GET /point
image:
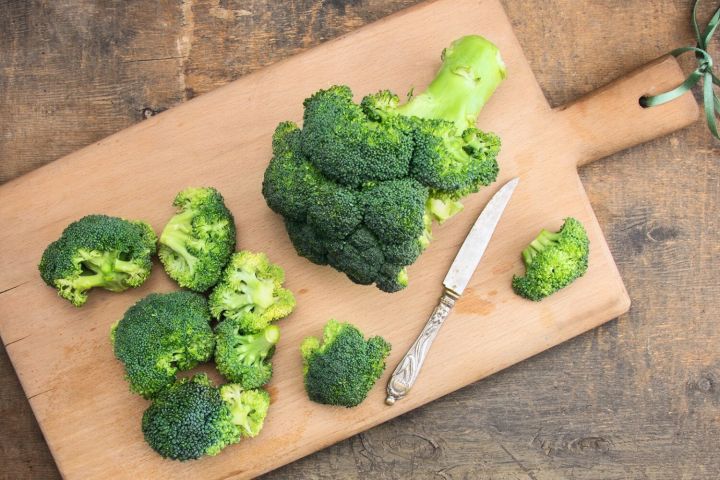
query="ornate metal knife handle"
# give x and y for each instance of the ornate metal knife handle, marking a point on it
(405, 374)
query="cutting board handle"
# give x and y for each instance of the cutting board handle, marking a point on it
(611, 118)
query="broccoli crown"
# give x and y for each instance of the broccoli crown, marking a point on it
(244, 358)
(98, 251)
(553, 261)
(250, 292)
(343, 369)
(198, 241)
(360, 184)
(192, 418)
(161, 335)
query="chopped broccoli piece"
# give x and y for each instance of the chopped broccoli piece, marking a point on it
(553, 261)
(192, 418)
(244, 358)
(161, 335)
(248, 408)
(198, 241)
(251, 293)
(360, 185)
(345, 367)
(98, 251)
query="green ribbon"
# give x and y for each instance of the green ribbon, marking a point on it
(702, 72)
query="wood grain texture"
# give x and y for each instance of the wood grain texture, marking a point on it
(640, 398)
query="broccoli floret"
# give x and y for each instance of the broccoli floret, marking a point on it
(251, 293)
(346, 146)
(198, 241)
(244, 358)
(345, 367)
(161, 335)
(360, 185)
(98, 251)
(553, 261)
(290, 182)
(193, 418)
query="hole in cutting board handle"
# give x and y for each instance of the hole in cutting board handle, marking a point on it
(643, 101)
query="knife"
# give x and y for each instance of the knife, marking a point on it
(457, 278)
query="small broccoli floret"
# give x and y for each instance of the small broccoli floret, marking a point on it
(343, 369)
(193, 418)
(360, 185)
(98, 251)
(248, 408)
(553, 261)
(251, 293)
(161, 335)
(244, 358)
(198, 241)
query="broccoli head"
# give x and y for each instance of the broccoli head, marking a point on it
(161, 335)
(244, 358)
(198, 241)
(98, 251)
(553, 261)
(192, 418)
(343, 369)
(250, 292)
(360, 185)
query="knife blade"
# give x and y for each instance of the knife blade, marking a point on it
(457, 278)
(473, 248)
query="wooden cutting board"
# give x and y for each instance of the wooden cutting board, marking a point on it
(62, 355)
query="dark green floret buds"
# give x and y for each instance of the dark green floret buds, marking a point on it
(98, 251)
(553, 261)
(193, 418)
(360, 184)
(198, 241)
(344, 367)
(160, 335)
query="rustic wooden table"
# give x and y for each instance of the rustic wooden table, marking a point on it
(636, 398)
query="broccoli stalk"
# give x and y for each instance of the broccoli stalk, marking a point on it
(553, 260)
(471, 71)
(343, 369)
(177, 235)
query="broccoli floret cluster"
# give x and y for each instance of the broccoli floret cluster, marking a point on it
(160, 335)
(360, 185)
(193, 418)
(553, 261)
(247, 300)
(197, 242)
(98, 251)
(343, 369)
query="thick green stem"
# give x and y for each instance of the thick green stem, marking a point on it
(471, 71)
(176, 234)
(258, 345)
(543, 240)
